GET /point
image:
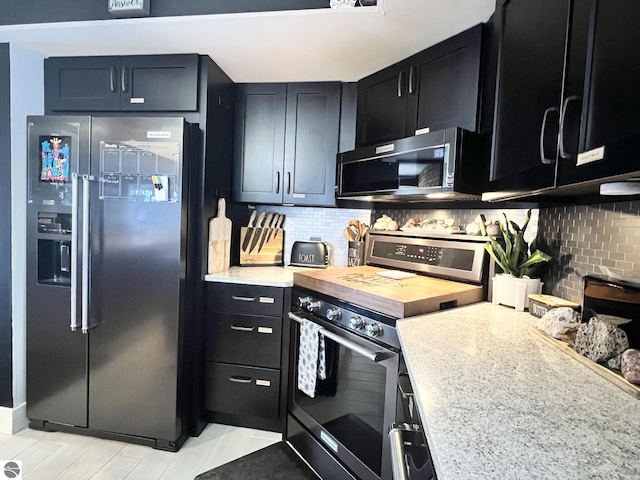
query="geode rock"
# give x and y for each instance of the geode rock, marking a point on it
(556, 320)
(599, 341)
(631, 365)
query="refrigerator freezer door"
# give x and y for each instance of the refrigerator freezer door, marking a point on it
(57, 380)
(137, 272)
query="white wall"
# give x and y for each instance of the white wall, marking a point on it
(27, 98)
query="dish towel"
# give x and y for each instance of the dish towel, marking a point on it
(311, 358)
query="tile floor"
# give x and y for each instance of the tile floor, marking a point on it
(62, 456)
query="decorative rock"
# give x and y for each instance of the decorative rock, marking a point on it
(599, 341)
(631, 365)
(615, 363)
(568, 333)
(556, 320)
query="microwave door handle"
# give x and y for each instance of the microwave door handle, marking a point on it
(75, 182)
(398, 464)
(365, 352)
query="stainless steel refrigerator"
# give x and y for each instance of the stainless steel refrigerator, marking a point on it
(112, 215)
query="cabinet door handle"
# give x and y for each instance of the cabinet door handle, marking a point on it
(543, 157)
(241, 329)
(288, 183)
(240, 379)
(277, 182)
(412, 74)
(123, 79)
(400, 83)
(112, 78)
(243, 299)
(563, 113)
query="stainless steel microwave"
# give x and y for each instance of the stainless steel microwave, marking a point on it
(447, 164)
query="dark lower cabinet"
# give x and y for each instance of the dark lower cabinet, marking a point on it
(286, 142)
(139, 83)
(246, 359)
(435, 89)
(242, 391)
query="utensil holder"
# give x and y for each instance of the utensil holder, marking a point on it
(355, 254)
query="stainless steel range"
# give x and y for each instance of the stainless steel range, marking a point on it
(340, 427)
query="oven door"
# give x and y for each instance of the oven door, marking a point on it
(354, 406)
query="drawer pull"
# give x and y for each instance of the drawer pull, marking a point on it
(241, 379)
(241, 329)
(243, 299)
(263, 383)
(265, 330)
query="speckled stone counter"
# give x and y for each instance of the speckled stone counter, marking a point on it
(499, 403)
(266, 276)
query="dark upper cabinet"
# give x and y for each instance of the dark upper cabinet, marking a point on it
(529, 92)
(286, 142)
(567, 103)
(167, 83)
(435, 89)
(600, 130)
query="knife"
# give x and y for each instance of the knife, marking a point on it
(266, 229)
(256, 232)
(247, 237)
(274, 222)
(280, 220)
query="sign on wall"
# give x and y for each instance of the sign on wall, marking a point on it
(129, 8)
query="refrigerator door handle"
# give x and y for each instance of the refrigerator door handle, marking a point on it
(85, 251)
(75, 181)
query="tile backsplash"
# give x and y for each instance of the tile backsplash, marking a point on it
(326, 224)
(580, 238)
(583, 238)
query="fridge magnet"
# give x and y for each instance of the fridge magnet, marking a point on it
(54, 154)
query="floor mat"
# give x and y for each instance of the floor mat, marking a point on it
(275, 462)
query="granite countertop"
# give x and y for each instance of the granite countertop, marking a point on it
(499, 403)
(265, 276)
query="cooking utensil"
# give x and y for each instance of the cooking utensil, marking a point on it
(355, 233)
(348, 234)
(256, 232)
(247, 237)
(272, 227)
(278, 225)
(219, 240)
(271, 218)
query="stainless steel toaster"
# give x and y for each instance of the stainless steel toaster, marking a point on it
(310, 254)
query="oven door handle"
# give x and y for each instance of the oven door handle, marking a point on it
(365, 352)
(398, 462)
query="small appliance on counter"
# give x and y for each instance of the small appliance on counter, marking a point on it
(310, 254)
(262, 243)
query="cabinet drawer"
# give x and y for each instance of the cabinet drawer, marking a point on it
(244, 339)
(245, 299)
(242, 390)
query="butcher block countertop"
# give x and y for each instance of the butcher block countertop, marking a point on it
(399, 298)
(498, 402)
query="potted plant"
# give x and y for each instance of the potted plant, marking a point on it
(519, 261)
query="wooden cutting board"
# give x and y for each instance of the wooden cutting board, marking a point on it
(219, 240)
(399, 298)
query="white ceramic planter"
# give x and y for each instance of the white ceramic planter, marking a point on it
(514, 292)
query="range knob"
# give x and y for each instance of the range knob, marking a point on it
(373, 330)
(313, 306)
(304, 301)
(334, 314)
(356, 322)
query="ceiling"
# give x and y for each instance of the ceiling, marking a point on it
(305, 45)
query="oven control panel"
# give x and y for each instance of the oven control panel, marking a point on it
(351, 320)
